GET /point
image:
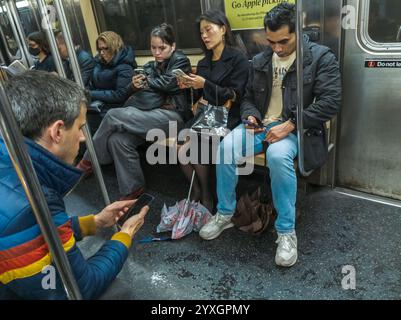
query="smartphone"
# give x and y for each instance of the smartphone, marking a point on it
(139, 71)
(178, 73)
(144, 200)
(251, 124)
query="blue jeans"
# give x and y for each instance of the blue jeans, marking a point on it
(280, 159)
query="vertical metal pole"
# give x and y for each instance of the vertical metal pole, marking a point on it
(26, 173)
(50, 37)
(300, 88)
(18, 31)
(78, 79)
(15, 31)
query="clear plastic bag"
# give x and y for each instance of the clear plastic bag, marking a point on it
(183, 218)
(211, 119)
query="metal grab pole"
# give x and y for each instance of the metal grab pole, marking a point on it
(23, 165)
(78, 79)
(51, 39)
(22, 37)
(300, 89)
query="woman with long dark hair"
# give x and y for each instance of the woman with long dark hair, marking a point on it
(220, 76)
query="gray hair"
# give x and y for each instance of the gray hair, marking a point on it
(39, 98)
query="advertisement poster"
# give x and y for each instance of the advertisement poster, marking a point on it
(249, 14)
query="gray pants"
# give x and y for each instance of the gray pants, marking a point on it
(121, 132)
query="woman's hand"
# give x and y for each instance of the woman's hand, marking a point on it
(194, 81)
(182, 84)
(139, 81)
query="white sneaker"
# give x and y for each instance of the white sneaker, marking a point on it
(216, 226)
(286, 254)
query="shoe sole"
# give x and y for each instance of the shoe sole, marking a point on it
(287, 265)
(218, 234)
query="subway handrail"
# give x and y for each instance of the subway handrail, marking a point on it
(24, 168)
(78, 79)
(300, 89)
(18, 31)
(51, 39)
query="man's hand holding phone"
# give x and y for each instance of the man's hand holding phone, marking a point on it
(109, 216)
(132, 220)
(133, 224)
(252, 124)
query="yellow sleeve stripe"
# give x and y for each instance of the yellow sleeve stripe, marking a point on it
(123, 237)
(33, 268)
(87, 225)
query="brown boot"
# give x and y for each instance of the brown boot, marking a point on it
(133, 195)
(86, 167)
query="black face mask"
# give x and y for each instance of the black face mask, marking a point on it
(34, 51)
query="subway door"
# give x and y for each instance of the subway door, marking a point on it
(369, 146)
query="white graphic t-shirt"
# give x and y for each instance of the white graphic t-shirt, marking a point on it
(280, 69)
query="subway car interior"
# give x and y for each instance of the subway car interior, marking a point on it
(350, 208)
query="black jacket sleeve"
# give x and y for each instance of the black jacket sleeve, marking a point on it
(167, 82)
(233, 87)
(327, 90)
(248, 105)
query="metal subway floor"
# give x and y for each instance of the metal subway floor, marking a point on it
(335, 231)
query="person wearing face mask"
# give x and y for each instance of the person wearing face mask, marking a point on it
(113, 71)
(221, 75)
(39, 48)
(155, 101)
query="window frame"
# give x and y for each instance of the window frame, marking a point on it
(363, 36)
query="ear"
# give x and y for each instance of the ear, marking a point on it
(224, 30)
(55, 131)
(173, 47)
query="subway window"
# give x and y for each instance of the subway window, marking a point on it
(385, 21)
(7, 34)
(134, 19)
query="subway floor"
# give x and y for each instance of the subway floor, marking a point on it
(336, 235)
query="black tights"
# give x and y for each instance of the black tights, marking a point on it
(201, 189)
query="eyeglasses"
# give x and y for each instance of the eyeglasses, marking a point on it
(103, 49)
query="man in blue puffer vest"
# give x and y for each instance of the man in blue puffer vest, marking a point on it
(50, 112)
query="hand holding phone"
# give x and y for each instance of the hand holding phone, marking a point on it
(139, 81)
(178, 73)
(139, 71)
(253, 125)
(144, 200)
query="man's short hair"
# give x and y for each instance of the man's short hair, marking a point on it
(284, 14)
(39, 98)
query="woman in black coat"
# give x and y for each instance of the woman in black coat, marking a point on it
(224, 71)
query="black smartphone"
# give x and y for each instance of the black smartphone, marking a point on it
(144, 200)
